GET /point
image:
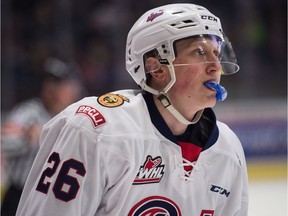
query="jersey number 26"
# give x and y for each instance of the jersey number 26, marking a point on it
(66, 186)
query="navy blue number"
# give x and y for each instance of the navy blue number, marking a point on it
(48, 172)
(66, 186)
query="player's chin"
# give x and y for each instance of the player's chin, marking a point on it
(210, 101)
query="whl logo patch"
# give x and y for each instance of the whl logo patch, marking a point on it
(151, 172)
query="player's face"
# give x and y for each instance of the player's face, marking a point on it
(195, 64)
(67, 92)
(61, 94)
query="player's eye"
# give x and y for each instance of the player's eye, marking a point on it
(216, 53)
(198, 52)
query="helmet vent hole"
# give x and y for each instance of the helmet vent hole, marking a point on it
(206, 27)
(183, 24)
(187, 21)
(178, 12)
(136, 69)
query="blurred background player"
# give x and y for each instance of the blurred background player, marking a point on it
(22, 128)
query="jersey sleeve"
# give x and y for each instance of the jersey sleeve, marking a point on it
(55, 183)
(68, 177)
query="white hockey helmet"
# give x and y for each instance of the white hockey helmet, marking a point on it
(160, 27)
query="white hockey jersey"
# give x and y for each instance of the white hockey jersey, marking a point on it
(111, 156)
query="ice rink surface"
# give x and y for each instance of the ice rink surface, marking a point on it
(268, 189)
(268, 198)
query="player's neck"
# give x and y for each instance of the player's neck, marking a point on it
(174, 124)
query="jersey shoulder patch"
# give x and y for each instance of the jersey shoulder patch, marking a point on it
(93, 114)
(112, 100)
(108, 110)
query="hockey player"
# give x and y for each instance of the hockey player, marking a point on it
(22, 127)
(159, 151)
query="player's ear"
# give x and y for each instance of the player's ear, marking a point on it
(154, 67)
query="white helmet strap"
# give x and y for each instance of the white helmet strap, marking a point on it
(163, 98)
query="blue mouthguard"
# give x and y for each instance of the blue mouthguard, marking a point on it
(221, 92)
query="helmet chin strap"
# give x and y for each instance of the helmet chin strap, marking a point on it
(165, 101)
(163, 98)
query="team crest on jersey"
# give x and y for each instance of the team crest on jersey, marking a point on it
(207, 213)
(94, 115)
(112, 100)
(155, 205)
(151, 172)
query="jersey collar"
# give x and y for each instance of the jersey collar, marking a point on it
(163, 128)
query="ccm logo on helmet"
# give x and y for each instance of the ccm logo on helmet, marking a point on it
(207, 17)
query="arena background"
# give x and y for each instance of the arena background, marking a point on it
(93, 35)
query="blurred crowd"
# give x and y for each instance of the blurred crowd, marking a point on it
(93, 34)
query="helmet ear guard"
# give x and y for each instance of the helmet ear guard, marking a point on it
(152, 66)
